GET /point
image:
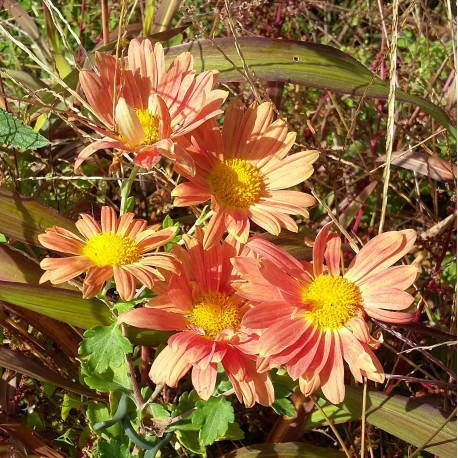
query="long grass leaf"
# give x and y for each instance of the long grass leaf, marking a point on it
(298, 62)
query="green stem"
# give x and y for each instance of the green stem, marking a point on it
(134, 436)
(121, 412)
(152, 452)
(125, 189)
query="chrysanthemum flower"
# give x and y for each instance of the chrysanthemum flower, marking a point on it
(146, 107)
(200, 303)
(310, 316)
(123, 248)
(244, 170)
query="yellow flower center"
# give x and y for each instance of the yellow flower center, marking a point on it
(236, 183)
(214, 312)
(150, 124)
(110, 249)
(332, 300)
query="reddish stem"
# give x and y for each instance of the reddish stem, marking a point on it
(144, 369)
(432, 281)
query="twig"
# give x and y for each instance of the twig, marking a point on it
(105, 18)
(391, 107)
(413, 345)
(363, 418)
(246, 70)
(135, 388)
(333, 428)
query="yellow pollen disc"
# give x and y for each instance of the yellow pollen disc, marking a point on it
(215, 312)
(236, 183)
(108, 249)
(332, 300)
(150, 124)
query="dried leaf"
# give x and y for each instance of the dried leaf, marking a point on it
(284, 450)
(424, 164)
(352, 210)
(19, 362)
(23, 218)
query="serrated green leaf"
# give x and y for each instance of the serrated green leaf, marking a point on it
(17, 135)
(406, 418)
(104, 347)
(183, 425)
(113, 449)
(214, 417)
(297, 62)
(186, 402)
(190, 440)
(158, 410)
(283, 406)
(110, 380)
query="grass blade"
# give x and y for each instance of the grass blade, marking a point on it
(298, 62)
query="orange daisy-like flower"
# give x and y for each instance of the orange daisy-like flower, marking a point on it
(310, 316)
(123, 248)
(146, 107)
(199, 302)
(244, 170)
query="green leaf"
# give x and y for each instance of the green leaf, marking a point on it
(35, 422)
(98, 412)
(190, 440)
(60, 304)
(66, 438)
(406, 418)
(68, 306)
(158, 410)
(113, 449)
(104, 347)
(284, 450)
(68, 404)
(284, 386)
(85, 437)
(148, 337)
(15, 134)
(283, 406)
(233, 433)
(298, 62)
(168, 222)
(213, 416)
(110, 380)
(186, 402)
(48, 389)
